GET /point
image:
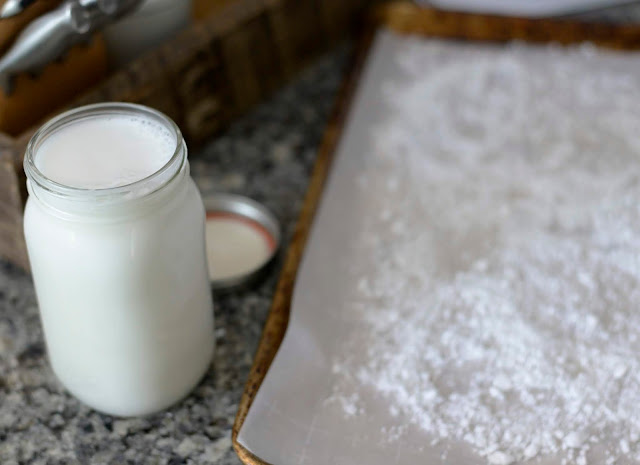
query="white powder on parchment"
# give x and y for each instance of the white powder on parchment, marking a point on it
(499, 268)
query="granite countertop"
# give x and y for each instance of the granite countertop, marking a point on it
(267, 155)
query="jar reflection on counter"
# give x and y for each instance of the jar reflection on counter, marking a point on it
(120, 272)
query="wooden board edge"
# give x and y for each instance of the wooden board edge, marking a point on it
(276, 324)
(402, 17)
(408, 18)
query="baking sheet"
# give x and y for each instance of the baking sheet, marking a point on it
(292, 419)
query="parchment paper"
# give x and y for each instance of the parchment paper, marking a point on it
(292, 420)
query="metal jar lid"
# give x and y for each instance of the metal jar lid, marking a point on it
(243, 238)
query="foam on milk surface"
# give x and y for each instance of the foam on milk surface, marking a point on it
(105, 152)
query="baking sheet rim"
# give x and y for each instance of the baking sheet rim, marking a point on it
(407, 18)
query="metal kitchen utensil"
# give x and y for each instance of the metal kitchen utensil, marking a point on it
(50, 36)
(14, 7)
(43, 40)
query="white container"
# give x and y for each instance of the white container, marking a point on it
(120, 272)
(153, 23)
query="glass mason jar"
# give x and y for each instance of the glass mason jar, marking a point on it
(121, 277)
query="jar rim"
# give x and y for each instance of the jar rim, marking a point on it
(137, 188)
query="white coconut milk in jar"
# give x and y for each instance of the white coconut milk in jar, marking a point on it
(114, 227)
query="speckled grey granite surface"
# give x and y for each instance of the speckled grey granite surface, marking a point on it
(266, 155)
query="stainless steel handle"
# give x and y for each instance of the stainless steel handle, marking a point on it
(50, 36)
(43, 40)
(14, 7)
